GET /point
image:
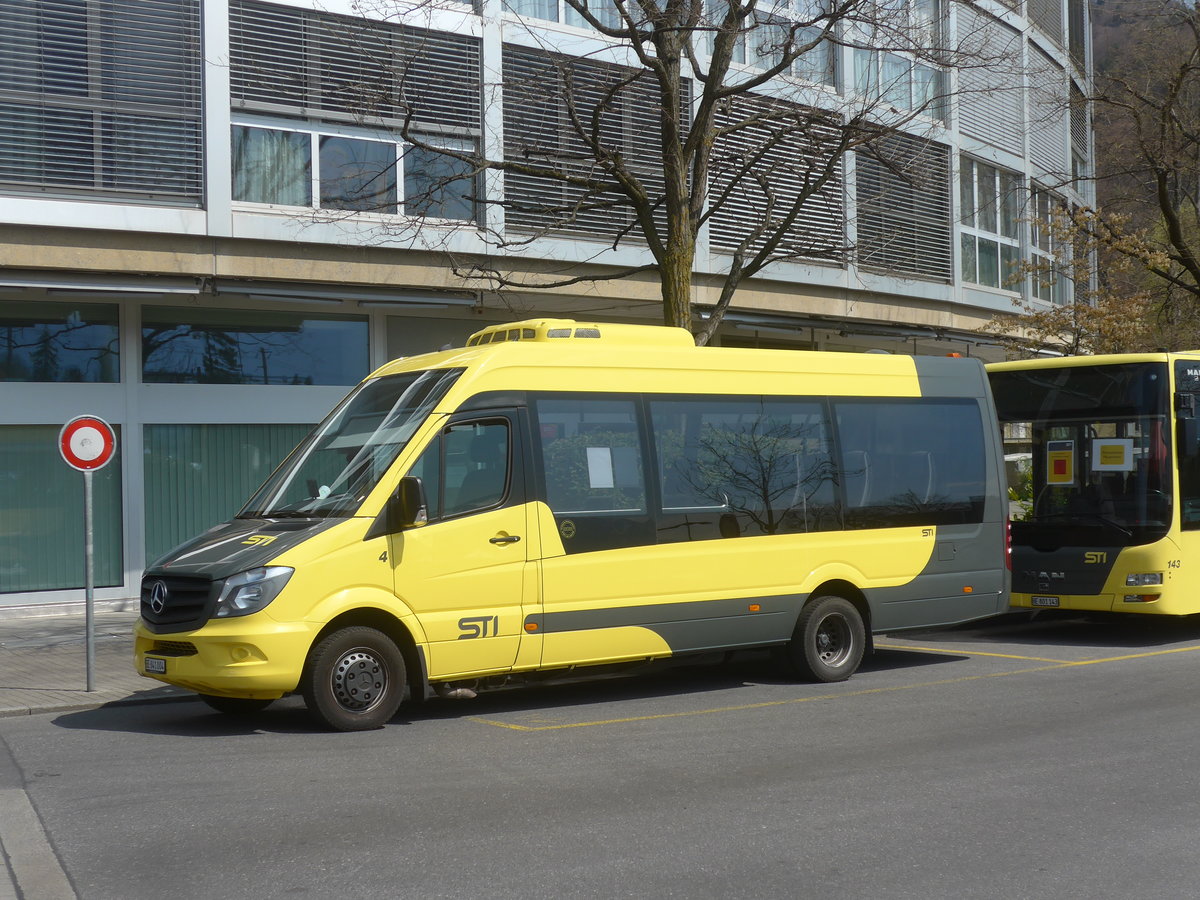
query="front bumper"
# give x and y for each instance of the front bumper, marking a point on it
(253, 656)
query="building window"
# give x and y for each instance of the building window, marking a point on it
(990, 201)
(1047, 279)
(59, 342)
(272, 166)
(186, 345)
(275, 166)
(200, 475)
(357, 175)
(101, 97)
(41, 511)
(900, 82)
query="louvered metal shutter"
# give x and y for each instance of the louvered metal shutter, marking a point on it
(904, 208)
(1079, 123)
(344, 68)
(1047, 16)
(1047, 113)
(990, 95)
(788, 147)
(548, 100)
(102, 98)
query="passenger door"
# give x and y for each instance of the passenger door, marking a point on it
(465, 573)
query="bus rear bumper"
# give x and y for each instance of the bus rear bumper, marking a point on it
(1146, 603)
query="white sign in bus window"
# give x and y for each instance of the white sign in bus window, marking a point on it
(600, 467)
(1112, 455)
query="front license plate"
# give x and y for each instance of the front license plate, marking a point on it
(156, 666)
(1035, 601)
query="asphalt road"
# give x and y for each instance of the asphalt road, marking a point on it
(1020, 759)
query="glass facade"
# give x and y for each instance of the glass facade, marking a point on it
(188, 345)
(41, 515)
(59, 342)
(198, 476)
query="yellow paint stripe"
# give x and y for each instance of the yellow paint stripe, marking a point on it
(763, 705)
(1055, 664)
(968, 653)
(1108, 659)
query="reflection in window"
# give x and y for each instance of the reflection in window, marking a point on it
(272, 166)
(766, 462)
(591, 456)
(59, 342)
(438, 185)
(41, 508)
(358, 175)
(217, 346)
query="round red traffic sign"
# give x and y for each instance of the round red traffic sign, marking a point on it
(87, 443)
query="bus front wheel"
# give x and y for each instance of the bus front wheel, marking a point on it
(829, 640)
(354, 680)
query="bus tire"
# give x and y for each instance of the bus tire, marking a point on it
(354, 679)
(235, 706)
(829, 640)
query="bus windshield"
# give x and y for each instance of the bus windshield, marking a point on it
(1088, 452)
(337, 465)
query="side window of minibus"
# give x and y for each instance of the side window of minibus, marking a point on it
(466, 468)
(590, 452)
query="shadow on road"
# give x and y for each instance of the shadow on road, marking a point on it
(1069, 629)
(663, 679)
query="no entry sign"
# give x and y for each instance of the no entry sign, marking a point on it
(87, 443)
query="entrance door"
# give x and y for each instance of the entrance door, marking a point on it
(466, 574)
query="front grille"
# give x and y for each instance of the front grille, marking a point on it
(173, 648)
(186, 602)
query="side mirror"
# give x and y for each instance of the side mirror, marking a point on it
(411, 508)
(1189, 437)
(406, 508)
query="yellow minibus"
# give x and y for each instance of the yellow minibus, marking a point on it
(558, 495)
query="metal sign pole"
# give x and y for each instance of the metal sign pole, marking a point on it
(89, 580)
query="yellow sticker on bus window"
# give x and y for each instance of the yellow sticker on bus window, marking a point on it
(1112, 455)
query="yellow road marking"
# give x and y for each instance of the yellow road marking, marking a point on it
(968, 653)
(1055, 664)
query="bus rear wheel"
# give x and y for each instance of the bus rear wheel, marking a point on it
(829, 640)
(354, 680)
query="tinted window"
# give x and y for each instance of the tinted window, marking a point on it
(765, 462)
(911, 462)
(185, 345)
(59, 342)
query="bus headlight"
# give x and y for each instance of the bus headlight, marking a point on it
(250, 591)
(1142, 579)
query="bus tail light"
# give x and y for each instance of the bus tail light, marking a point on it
(1008, 544)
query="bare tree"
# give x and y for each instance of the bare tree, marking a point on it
(1147, 112)
(699, 123)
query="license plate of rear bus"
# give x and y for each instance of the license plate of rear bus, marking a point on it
(1034, 601)
(156, 666)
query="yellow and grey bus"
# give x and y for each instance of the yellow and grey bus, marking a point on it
(1108, 487)
(558, 495)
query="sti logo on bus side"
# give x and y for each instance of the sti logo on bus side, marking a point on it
(478, 627)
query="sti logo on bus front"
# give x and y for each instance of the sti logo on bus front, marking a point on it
(1093, 557)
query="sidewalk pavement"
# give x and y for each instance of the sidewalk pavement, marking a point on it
(43, 664)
